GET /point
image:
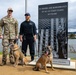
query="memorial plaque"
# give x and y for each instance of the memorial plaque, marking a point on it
(53, 28)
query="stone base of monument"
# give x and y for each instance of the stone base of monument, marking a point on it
(61, 61)
(63, 64)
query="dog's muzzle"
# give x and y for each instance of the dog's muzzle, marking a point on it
(47, 52)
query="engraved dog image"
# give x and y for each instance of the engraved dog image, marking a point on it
(45, 58)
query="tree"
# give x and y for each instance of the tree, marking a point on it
(72, 36)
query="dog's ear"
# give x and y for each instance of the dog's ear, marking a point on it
(45, 48)
(49, 47)
(15, 41)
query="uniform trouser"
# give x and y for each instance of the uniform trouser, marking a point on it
(5, 43)
(25, 43)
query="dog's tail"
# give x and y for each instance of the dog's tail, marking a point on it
(25, 61)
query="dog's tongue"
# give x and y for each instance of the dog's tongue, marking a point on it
(47, 53)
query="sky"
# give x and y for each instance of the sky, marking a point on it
(32, 7)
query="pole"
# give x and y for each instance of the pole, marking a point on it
(25, 6)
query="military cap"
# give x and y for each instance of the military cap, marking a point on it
(27, 14)
(10, 9)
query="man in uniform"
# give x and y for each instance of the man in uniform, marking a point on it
(28, 35)
(9, 25)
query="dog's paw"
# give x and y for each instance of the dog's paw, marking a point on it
(15, 65)
(53, 69)
(36, 69)
(47, 72)
(24, 64)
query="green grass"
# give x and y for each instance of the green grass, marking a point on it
(0, 53)
(73, 58)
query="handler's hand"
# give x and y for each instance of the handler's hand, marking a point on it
(21, 38)
(16, 37)
(1, 37)
(34, 37)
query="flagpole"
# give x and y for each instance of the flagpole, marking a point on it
(25, 6)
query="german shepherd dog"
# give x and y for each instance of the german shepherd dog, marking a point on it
(18, 55)
(45, 58)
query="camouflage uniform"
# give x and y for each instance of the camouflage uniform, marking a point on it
(10, 32)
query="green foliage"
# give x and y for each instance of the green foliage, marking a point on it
(0, 53)
(72, 36)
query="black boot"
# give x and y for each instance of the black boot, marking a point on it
(3, 63)
(32, 58)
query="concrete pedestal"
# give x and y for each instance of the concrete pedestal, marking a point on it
(71, 66)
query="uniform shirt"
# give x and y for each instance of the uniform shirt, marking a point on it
(28, 28)
(9, 27)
